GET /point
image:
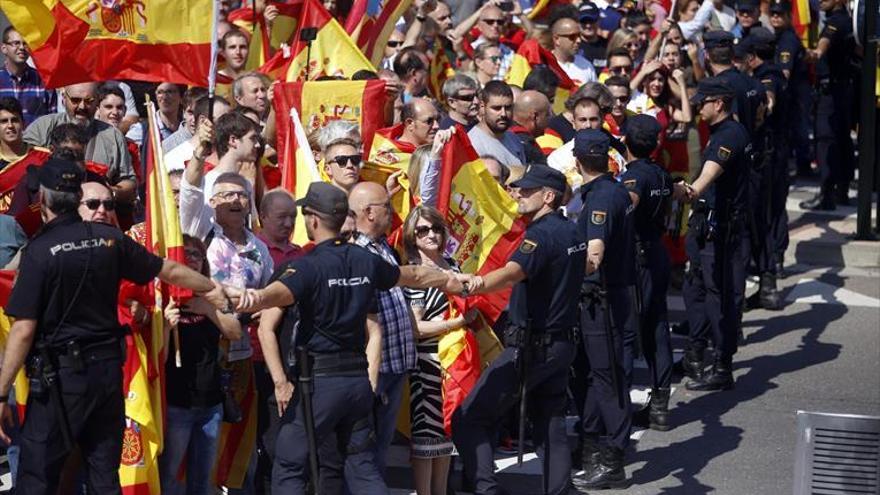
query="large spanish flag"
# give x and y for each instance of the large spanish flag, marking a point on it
(388, 154)
(531, 53)
(264, 41)
(370, 23)
(333, 52)
(7, 279)
(76, 41)
(800, 20)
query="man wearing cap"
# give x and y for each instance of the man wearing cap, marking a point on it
(335, 287)
(791, 58)
(66, 330)
(834, 110)
(545, 273)
(749, 94)
(650, 189)
(566, 32)
(770, 178)
(747, 12)
(715, 277)
(606, 224)
(593, 47)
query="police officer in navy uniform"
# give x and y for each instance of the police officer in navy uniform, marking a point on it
(606, 224)
(335, 287)
(650, 189)
(66, 328)
(791, 58)
(716, 270)
(834, 110)
(545, 273)
(771, 168)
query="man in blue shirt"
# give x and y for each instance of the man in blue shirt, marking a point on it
(21, 81)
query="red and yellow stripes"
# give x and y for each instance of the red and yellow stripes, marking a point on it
(264, 41)
(531, 53)
(800, 20)
(76, 41)
(370, 23)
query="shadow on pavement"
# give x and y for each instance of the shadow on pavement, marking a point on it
(718, 438)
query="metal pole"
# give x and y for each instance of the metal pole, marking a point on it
(867, 126)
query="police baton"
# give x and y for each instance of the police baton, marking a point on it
(304, 384)
(609, 338)
(522, 365)
(50, 379)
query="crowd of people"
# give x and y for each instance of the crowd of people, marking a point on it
(668, 166)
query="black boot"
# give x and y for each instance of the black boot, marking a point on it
(692, 363)
(779, 268)
(609, 473)
(720, 377)
(770, 298)
(591, 455)
(659, 411)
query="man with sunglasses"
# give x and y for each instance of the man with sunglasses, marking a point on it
(97, 204)
(107, 145)
(619, 64)
(460, 92)
(342, 163)
(566, 36)
(421, 121)
(491, 27)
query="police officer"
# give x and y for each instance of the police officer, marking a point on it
(834, 111)
(545, 273)
(650, 189)
(791, 58)
(66, 328)
(335, 287)
(769, 214)
(606, 223)
(716, 268)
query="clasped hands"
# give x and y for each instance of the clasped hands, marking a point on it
(683, 191)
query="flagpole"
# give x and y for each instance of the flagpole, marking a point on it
(212, 71)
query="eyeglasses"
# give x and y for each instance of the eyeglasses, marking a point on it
(94, 204)
(494, 22)
(76, 100)
(571, 36)
(344, 160)
(15, 44)
(621, 99)
(422, 230)
(165, 92)
(231, 195)
(461, 97)
(394, 44)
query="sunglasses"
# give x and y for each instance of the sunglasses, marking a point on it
(620, 69)
(494, 22)
(422, 230)
(430, 121)
(633, 44)
(496, 59)
(571, 37)
(343, 160)
(94, 204)
(76, 100)
(464, 97)
(394, 44)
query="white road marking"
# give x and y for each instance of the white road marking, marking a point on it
(812, 291)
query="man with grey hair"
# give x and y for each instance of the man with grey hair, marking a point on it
(106, 144)
(251, 90)
(460, 92)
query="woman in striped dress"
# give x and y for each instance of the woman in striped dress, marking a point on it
(424, 240)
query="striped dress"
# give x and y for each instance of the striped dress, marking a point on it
(429, 439)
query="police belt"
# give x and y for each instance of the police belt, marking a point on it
(77, 355)
(515, 334)
(345, 363)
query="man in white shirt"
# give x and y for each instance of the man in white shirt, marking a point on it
(566, 39)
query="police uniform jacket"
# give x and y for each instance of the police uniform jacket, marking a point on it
(836, 65)
(54, 265)
(335, 287)
(606, 216)
(730, 147)
(653, 185)
(790, 54)
(749, 96)
(553, 257)
(771, 77)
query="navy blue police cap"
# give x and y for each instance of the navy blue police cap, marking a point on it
(61, 175)
(324, 198)
(780, 6)
(747, 5)
(541, 176)
(714, 39)
(642, 127)
(711, 87)
(588, 11)
(591, 142)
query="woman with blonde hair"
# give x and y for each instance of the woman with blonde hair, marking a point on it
(424, 240)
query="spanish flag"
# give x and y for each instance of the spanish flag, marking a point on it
(7, 279)
(76, 41)
(263, 40)
(388, 154)
(484, 225)
(370, 23)
(14, 172)
(800, 20)
(531, 53)
(440, 70)
(333, 52)
(298, 168)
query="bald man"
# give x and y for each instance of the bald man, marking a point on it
(566, 38)
(106, 144)
(278, 218)
(531, 113)
(421, 121)
(372, 208)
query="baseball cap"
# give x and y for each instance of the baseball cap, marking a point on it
(588, 11)
(642, 126)
(324, 198)
(609, 19)
(591, 142)
(541, 176)
(61, 175)
(711, 87)
(713, 39)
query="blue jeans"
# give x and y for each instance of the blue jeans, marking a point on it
(191, 433)
(389, 390)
